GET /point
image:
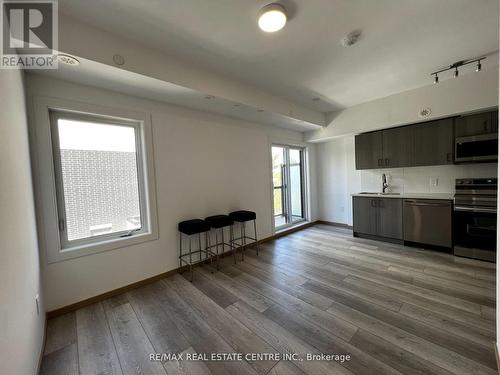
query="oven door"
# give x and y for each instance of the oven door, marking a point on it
(476, 148)
(475, 232)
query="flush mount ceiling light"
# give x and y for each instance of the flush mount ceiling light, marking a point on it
(272, 18)
(458, 64)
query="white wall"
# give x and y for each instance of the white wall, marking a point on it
(205, 164)
(21, 328)
(467, 93)
(338, 178)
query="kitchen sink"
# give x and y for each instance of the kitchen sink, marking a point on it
(377, 193)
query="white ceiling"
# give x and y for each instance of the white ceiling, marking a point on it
(402, 41)
(94, 74)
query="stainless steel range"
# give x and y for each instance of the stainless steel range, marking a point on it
(475, 218)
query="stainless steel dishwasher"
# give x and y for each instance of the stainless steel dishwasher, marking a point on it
(428, 221)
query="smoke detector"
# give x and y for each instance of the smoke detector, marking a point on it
(351, 38)
(68, 60)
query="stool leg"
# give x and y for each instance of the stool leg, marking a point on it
(222, 235)
(217, 259)
(233, 247)
(206, 247)
(190, 252)
(180, 249)
(244, 240)
(216, 243)
(199, 246)
(256, 238)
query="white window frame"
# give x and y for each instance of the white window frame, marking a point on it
(49, 202)
(306, 181)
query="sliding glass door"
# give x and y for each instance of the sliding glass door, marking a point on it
(288, 185)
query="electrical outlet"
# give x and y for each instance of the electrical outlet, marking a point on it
(37, 303)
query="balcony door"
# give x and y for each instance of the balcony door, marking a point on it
(288, 185)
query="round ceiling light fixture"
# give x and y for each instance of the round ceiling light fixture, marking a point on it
(272, 18)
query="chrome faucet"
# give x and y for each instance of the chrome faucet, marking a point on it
(385, 185)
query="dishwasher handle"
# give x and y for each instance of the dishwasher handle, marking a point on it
(415, 203)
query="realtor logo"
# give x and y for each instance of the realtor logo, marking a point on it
(29, 34)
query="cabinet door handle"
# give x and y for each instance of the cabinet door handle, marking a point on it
(387, 162)
(380, 203)
(373, 203)
(448, 157)
(380, 162)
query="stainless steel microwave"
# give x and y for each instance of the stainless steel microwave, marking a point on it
(476, 148)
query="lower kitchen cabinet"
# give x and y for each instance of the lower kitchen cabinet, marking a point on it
(365, 212)
(390, 218)
(381, 217)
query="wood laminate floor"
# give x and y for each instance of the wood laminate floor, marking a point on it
(392, 309)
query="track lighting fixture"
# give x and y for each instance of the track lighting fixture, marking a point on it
(457, 65)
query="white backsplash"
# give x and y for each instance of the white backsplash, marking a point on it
(423, 179)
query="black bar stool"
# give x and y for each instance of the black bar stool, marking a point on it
(243, 217)
(190, 228)
(220, 222)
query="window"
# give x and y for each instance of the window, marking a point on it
(99, 178)
(288, 185)
(94, 177)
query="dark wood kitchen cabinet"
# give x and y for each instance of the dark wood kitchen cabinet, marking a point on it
(365, 211)
(390, 218)
(368, 150)
(433, 143)
(397, 147)
(423, 144)
(378, 217)
(475, 124)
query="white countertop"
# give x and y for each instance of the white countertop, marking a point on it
(445, 196)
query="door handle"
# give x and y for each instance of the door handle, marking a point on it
(476, 209)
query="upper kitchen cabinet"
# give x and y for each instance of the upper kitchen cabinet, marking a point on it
(397, 147)
(433, 143)
(475, 124)
(369, 150)
(423, 144)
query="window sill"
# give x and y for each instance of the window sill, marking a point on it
(94, 248)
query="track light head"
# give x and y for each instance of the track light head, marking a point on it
(436, 79)
(455, 73)
(478, 67)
